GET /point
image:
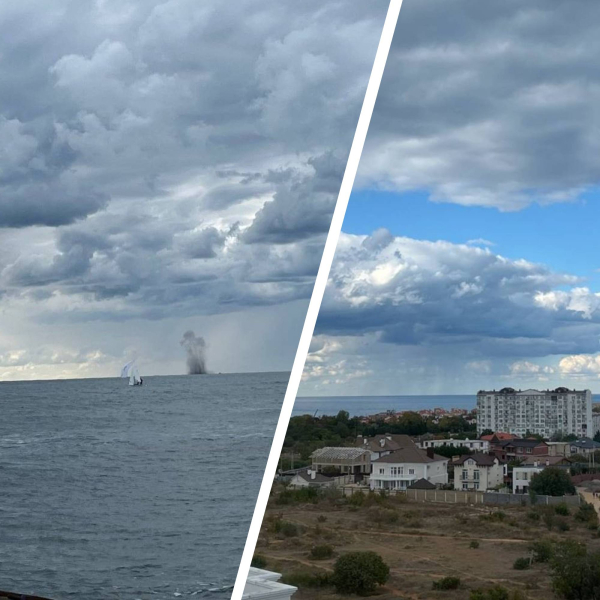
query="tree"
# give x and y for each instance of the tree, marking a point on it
(597, 436)
(576, 574)
(359, 573)
(552, 481)
(486, 432)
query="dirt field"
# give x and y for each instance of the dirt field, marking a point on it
(421, 543)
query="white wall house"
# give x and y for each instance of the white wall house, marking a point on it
(522, 478)
(478, 472)
(475, 445)
(264, 585)
(400, 469)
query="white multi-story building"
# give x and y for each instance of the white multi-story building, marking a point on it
(540, 412)
(475, 445)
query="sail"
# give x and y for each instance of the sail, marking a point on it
(134, 376)
(125, 369)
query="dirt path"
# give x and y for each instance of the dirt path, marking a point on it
(590, 498)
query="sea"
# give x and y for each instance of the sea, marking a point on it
(370, 405)
(135, 493)
(358, 406)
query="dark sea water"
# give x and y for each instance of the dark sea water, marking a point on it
(110, 491)
(368, 405)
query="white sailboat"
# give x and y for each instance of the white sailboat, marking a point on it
(131, 371)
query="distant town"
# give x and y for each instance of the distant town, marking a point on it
(527, 457)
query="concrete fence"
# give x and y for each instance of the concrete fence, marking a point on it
(460, 497)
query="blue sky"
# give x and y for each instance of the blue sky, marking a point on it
(564, 236)
(485, 128)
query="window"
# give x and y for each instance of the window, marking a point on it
(476, 476)
(411, 471)
(465, 486)
(465, 474)
(528, 450)
(381, 471)
(477, 485)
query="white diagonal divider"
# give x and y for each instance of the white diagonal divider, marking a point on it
(335, 228)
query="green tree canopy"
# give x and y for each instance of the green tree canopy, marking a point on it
(359, 573)
(576, 573)
(552, 481)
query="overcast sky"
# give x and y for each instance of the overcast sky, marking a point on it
(165, 166)
(471, 253)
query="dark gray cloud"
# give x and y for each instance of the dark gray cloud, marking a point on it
(438, 308)
(491, 104)
(162, 157)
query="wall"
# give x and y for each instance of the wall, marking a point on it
(459, 497)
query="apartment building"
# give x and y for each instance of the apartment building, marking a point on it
(545, 413)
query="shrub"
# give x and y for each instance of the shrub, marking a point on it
(542, 550)
(533, 515)
(359, 573)
(496, 516)
(474, 544)
(549, 520)
(576, 573)
(259, 561)
(301, 496)
(383, 515)
(322, 552)
(562, 525)
(447, 583)
(587, 514)
(562, 509)
(321, 518)
(495, 593)
(521, 564)
(307, 579)
(357, 499)
(286, 528)
(552, 481)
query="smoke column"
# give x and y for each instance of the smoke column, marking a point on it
(195, 348)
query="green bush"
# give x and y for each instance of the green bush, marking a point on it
(286, 528)
(496, 516)
(259, 561)
(562, 509)
(495, 593)
(447, 583)
(587, 514)
(383, 515)
(474, 544)
(322, 552)
(562, 525)
(521, 564)
(359, 573)
(552, 481)
(533, 515)
(301, 496)
(542, 550)
(307, 579)
(321, 518)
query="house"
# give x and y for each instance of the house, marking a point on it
(475, 445)
(345, 461)
(478, 472)
(264, 585)
(304, 478)
(380, 445)
(508, 449)
(403, 467)
(521, 477)
(499, 436)
(584, 446)
(559, 448)
(422, 484)
(522, 473)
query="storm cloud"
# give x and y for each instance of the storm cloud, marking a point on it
(493, 104)
(163, 158)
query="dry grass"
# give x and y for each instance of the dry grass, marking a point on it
(421, 543)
